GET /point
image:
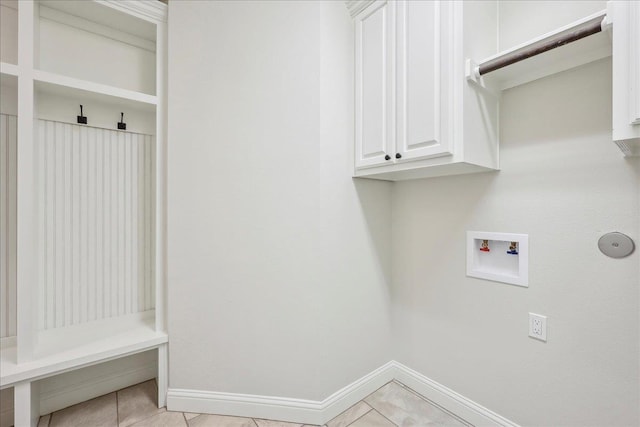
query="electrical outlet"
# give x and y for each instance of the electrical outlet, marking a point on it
(538, 326)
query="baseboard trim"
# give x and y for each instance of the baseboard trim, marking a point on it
(443, 396)
(319, 412)
(279, 408)
(348, 396)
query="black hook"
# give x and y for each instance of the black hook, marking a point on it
(81, 118)
(121, 124)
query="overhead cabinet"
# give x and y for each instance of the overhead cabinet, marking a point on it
(625, 19)
(416, 115)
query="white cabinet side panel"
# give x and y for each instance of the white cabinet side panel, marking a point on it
(95, 195)
(8, 140)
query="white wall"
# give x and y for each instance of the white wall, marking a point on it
(564, 183)
(278, 260)
(523, 20)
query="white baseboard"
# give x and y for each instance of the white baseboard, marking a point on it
(279, 408)
(319, 412)
(453, 402)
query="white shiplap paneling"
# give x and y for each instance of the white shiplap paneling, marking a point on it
(96, 203)
(8, 139)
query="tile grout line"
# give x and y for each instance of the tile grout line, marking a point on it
(430, 402)
(351, 423)
(351, 407)
(143, 419)
(385, 417)
(117, 409)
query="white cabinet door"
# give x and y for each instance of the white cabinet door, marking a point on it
(626, 75)
(634, 66)
(419, 89)
(374, 85)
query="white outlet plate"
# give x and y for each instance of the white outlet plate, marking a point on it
(538, 326)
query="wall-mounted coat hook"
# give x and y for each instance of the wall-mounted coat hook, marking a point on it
(81, 118)
(121, 124)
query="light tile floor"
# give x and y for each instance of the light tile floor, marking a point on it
(393, 405)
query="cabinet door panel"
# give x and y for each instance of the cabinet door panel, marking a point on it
(374, 96)
(419, 84)
(634, 66)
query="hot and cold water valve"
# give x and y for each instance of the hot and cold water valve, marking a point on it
(500, 257)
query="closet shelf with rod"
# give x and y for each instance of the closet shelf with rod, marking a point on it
(572, 45)
(613, 32)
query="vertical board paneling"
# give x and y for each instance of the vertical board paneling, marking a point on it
(100, 210)
(67, 284)
(141, 230)
(114, 234)
(47, 129)
(3, 227)
(90, 236)
(147, 225)
(152, 216)
(135, 221)
(84, 265)
(96, 227)
(58, 223)
(41, 260)
(75, 224)
(8, 158)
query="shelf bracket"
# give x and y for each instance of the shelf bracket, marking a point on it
(472, 74)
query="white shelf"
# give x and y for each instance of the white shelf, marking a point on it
(8, 69)
(75, 351)
(69, 86)
(132, 17)
(583, 51)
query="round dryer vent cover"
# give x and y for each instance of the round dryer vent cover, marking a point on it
(616, 245)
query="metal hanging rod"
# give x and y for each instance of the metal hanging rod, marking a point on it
(579, 32)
